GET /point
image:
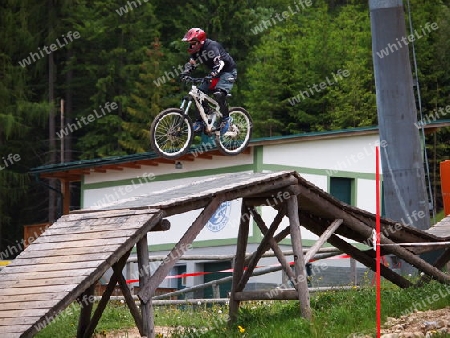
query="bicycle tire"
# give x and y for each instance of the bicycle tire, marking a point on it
(167, 138)
(236, 139)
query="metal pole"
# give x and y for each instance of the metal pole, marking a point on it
(405, 197)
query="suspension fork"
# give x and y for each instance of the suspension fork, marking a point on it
(185, 105)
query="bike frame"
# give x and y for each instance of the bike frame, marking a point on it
(199, 97)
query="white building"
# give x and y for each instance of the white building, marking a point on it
(341, 163)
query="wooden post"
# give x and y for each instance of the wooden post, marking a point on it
(299, 261)
(86, 310)
(65, 185)
(216, 290)
(273, 244)
(262, 248)
(148, 325)
(353, 272)
(106, 296)
(239, 262)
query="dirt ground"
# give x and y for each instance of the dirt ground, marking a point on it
(160, 331)
(419, 324)
(415, 325)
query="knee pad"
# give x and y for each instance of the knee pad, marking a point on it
(220, 96)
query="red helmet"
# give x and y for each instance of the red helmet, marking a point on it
(196, 37)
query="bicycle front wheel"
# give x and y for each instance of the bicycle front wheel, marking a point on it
(171, 133)
(236, 139)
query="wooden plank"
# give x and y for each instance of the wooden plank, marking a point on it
(54, 267)
(23, 313)
(28, 298)
(60, 253)
(38, 289)
(46, 304)
(61, 259)
(52, 274)
(61, 224)
(162, 271)
(98, 234)
(12, 329)
(92, 214)
(77, 244)
(231, 192)
(96, 275)
(88, 228)
(26, 283)
(17, 321)
(118, 221)
(60, 290)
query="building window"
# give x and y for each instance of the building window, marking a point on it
(342, 188)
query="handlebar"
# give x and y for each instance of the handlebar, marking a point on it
(196, 79)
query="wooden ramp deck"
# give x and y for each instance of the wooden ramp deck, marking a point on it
(62, 265)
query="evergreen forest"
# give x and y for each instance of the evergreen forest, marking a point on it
(62, 61)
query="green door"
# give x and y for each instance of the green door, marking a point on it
(225, 288)
(341, 188)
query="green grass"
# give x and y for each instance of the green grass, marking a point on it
(335, 314)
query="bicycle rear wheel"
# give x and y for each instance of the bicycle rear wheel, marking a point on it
(171, 133)
(236, 139)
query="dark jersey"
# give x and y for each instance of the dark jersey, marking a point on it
(211, 52)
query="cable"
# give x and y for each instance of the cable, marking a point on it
(422, 128)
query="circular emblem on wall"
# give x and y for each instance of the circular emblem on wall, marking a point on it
(220, 218)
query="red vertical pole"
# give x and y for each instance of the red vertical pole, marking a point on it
(378, 253)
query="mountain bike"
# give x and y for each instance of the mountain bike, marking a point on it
(172, 133)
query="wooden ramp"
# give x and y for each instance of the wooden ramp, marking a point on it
(66, 261)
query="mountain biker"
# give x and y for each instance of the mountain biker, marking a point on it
(222, 66)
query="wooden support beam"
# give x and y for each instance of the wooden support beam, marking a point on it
(86, 310)
(322, 239)
(138, 319)
(179, 249)
(106, 296)
(360, 256)
(272, 243)
(299, 261)
(163, 225)
(440, 263)
(238, 268)
(274, 198)
(352, 222)
(148, 325)
(262, 248)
